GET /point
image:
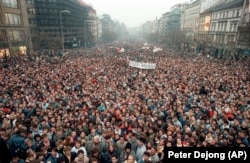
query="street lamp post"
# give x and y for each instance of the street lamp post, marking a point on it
(84, 35)
(63, 11)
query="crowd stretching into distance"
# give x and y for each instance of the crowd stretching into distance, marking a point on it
(90, 106)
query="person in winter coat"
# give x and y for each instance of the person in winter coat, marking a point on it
(106, 156)
(125, 153)
(17, 144)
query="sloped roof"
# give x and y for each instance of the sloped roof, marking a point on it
(225, 5)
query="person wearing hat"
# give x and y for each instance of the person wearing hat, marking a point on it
(126, 152)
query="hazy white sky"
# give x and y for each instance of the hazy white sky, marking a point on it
(133, 13)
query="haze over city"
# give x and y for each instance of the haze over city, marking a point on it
(132, 13)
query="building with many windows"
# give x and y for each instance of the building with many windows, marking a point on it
(54, 23)
(174, 35)
(190, 23)
(243, 35)
(225, 19)
(204, 39)
(36, 24)
(206, 4)
(14, 28)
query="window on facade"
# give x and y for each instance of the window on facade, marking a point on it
(231, 27)
(2, 36)
(18, 35)
(30, 1)
(212, 38)
(217, 39)
(227, 14)
(33, 30)
(12, 18)
(224, 15)
(32, 20)
(43, 21)
(238, 13)
(214, 26)
(235, 27)
(231, 38)
(222, 39)
(10, 35)
(233, 13)
(55, 11)
(10, 3)
(222, 26)
(31, 11)
(225, 26)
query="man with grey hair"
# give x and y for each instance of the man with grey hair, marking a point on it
(95, 143)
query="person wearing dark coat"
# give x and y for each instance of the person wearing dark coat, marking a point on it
(17, 144)
(4, 151)
(95, 156)
(106, 156)
(67, 156)
(125, 153)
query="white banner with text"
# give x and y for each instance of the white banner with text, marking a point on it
(142, 65)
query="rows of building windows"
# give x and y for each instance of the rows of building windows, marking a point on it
(36, 30)
(191, 22)
(202, 20)
(33, 11)
(219, 38)
(47, 21)
(211, 37)
(2, 36)
(189, 29)
(15, 35)
(193, 11)
(10, 3)
(226, 14)
(33, 1)
(223, 26)
(13, 19)
(202, 27)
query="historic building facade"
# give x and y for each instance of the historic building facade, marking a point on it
(14, 28)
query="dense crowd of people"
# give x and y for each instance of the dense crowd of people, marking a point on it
(91, 106)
